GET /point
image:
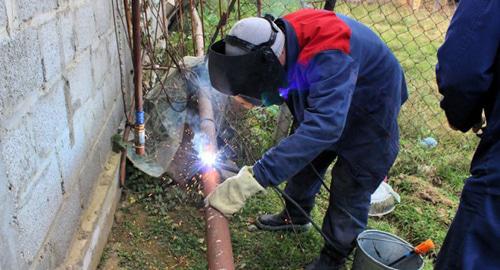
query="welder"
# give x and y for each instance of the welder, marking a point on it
(344, 88)
(468, 76)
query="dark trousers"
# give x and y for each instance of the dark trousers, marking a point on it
(473, 240)
(349, 200)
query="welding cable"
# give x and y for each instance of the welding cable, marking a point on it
(303, 212)
(320, 177)
(286, 196)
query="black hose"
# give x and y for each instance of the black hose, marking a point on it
(303, 212)
(233, 169)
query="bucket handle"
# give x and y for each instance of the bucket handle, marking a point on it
(388, 240)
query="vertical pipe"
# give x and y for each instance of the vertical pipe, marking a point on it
(219, 249)
(193, 34)
(123, 158)
(259, 8)
(239, 10)
(221, 16)
(139, 113)
(330, 4)
(129, 21)
(222, 21)
(197, 24)
(180, 27)
(202, 12)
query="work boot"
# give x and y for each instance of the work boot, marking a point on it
(282, 222)
(325, 262)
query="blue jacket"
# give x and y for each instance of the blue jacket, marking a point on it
(345, 91)
(468, 76)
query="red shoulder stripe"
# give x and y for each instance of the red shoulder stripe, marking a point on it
(317, 31)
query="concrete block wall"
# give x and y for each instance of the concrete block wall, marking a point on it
(60, 102)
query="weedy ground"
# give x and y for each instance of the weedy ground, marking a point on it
(160, 226)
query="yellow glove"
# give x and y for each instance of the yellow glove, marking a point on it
(230, 196)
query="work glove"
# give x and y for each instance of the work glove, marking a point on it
(230, 196)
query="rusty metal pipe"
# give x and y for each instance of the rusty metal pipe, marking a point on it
(126, 131)
(128, 18)
(137, 58)
(222, 21)
(218, 238)
(197, 26)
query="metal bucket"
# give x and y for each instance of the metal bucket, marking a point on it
(376, 249)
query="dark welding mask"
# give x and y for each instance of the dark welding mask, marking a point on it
(255, 76)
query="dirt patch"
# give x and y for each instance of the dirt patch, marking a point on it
(133, 243)
(430, 173)
(158, 225)
(424, 190)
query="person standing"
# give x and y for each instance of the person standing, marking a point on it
(468, 77)
(344, 88)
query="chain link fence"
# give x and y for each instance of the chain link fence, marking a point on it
(413, 29)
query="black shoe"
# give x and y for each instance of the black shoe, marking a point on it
(323, 262)
(282, 222)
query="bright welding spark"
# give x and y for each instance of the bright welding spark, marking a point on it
(208, 158)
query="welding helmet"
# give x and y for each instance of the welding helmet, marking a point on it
(255, 75)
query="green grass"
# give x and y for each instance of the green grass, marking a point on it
(164, 226)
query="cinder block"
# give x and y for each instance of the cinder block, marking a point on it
(110, 128)
(49, 120)
(27, 9)
(3, 16)
(118, 114)
(96, 220)
(103, 16)
(67, 36)
(37, 211)
(57, 244)
(88, 177)
(20, 69)
(8, 243)
(18, 153)
(51, 53)
(72, 156)
(110, 91)
(84, 27)
(92, 111)
(100, 134)
(46, 258)
(70, 159)
(61, 3)
(100, 61)
(113, 50)
(80, 80)
(115, 115)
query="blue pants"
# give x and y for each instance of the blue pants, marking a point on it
(349, 200)
(473, 240)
